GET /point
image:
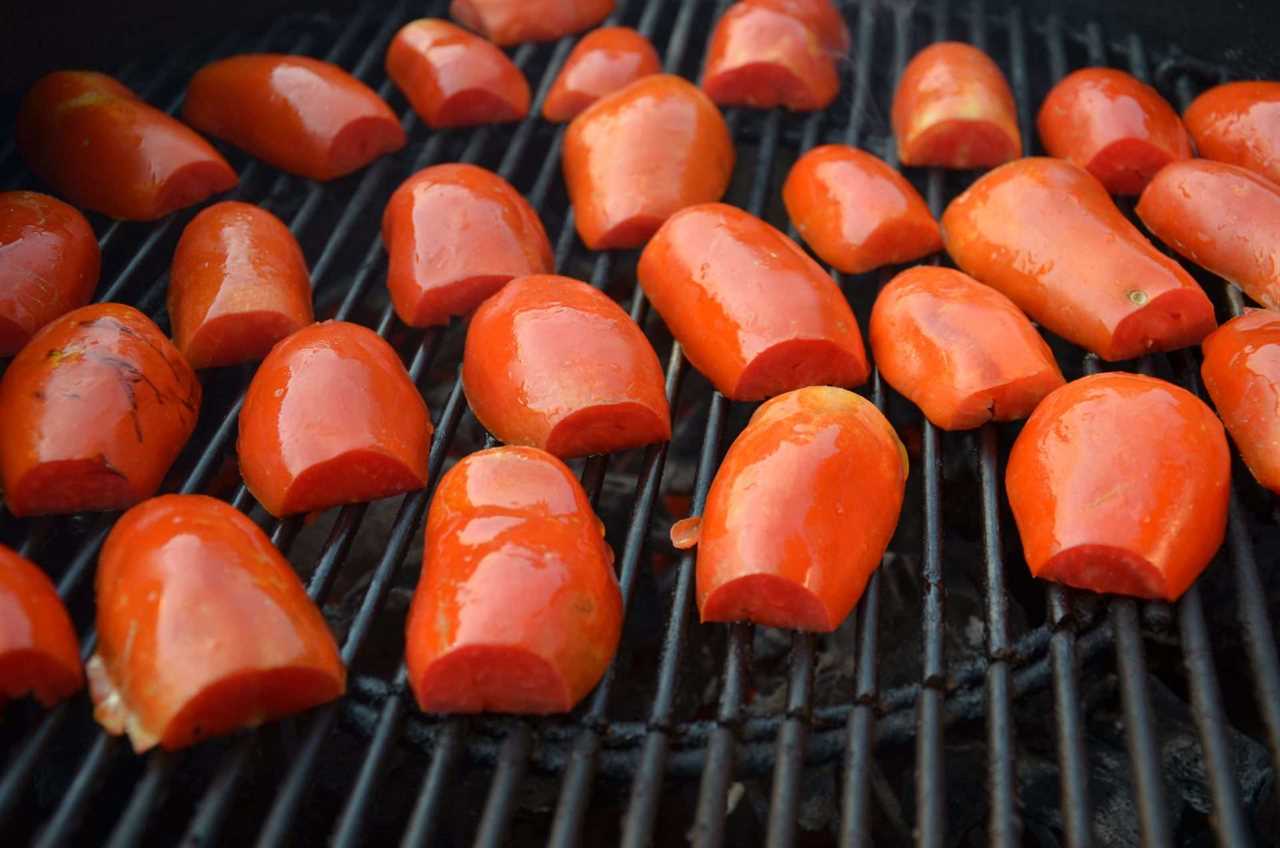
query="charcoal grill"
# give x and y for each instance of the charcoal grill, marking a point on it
(719, 735)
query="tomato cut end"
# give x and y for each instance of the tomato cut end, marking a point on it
(767, 599)
(607, 428)
(563, 106)
(192, 184)
(473, 106)
(893, 243)
(1009, 401)
(355, 476)
(239, 337)
(624, 234)
(1107, 570)
(435, 306)
(765, 85)
(1176, 319)
(1127, 165)
(797, 364)
(960, 143)
(39, 674)
(360, 142)
(492, 678)
(72, 485)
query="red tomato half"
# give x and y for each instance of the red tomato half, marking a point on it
(800, 512)
(554, 363)
(203, 628)
(302, 115)
(39, 654)
(517, 609)
(604, 61)
(1239, 123)
(509, 22)
(763, 58)
(1119, 483)
(330, 418)
(103, 148)
(1241, 372)
(49, 263)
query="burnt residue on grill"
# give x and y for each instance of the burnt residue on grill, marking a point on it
(962, 703)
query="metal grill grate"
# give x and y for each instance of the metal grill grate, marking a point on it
(370, 768)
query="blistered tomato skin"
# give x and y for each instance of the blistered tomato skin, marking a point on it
(1221, 217)
(638, 156)
(763, 58)
(97, 407)
(752, 311)
(1241, 372)
(1239, 123)
(203, 627)
(101, 147)
(298, 114)
(49, 264)
(453, 78)
(856, 212)
(517, 609)
(1115, 127)
(800, 512)
(331, 418)
(238, 284)
(821, 16)
(39, 654)
(510, 22)
(959, 350)
(553, 363)
(604, 61)
(1047, 235)
(456, 234)
(953, 109)
(1119, 484)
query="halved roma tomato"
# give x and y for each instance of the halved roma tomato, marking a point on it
(330, 418)
(821, 16)
(764, 58)
(1239, 123)
(302, 115)
(800, 512)
(1046, 234)
(953, 109)
(856, 212)
(238, 285)
(517, 609)
(96, 408)
(640, 155)
(203, 627)
(1221, 217)
(453, 78)
(509, 22)
(556, 364)
(49, 263)
(39, 654)
(1241, 372)
(103, 148)
(604, 61)
(959, 350)
(1119, 483)
(456, 234)
(1115, 127)
(751, 310)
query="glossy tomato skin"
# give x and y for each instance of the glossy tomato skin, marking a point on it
(752, 311)
(238, 284)
(97, 407)
(330, 418)
(604, 61)
(39, 654)
(1119, 484)
(453, 78)
(1115, 127)
(553, 363)
(821, 16)
(763, 58)
(1241, 372)
(298, 114)
(456, 234)
(856, 212)
(49, 264)
(203, 627)
(641, 154)
(961, 351)
(800, 512)
(1221, 217)
(953, 109)
(510, 22)
(1046, 234)
(1239, 123)
(101, 147)
(517, 609)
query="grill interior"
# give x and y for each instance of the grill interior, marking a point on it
(1090, 720)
